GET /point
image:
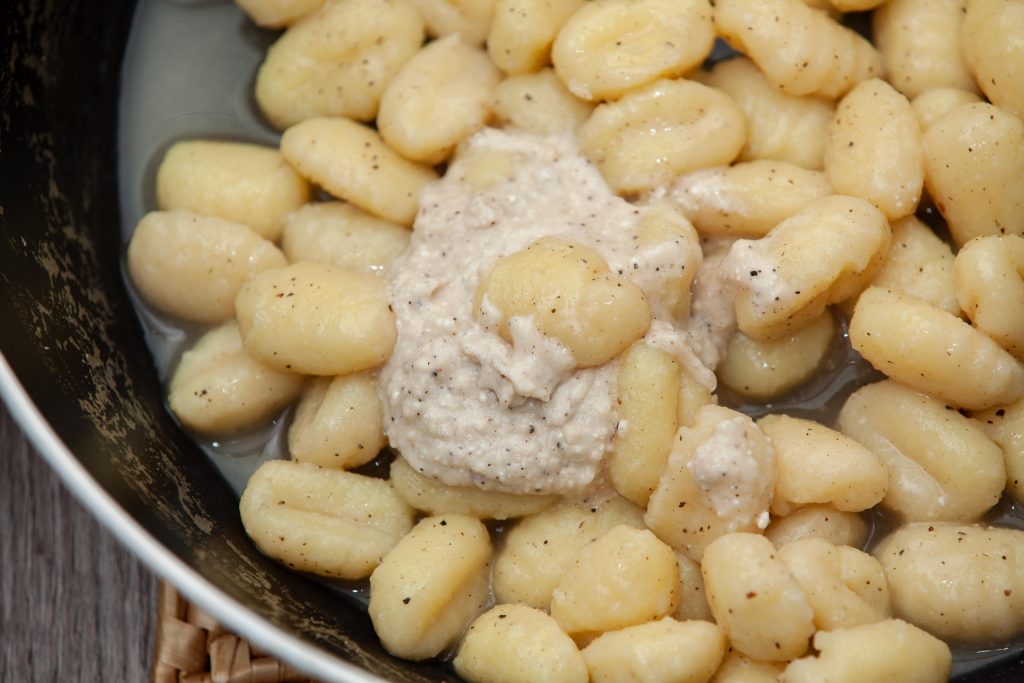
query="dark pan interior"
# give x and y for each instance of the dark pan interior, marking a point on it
(71, 336)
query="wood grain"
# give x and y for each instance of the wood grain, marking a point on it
(74, 605)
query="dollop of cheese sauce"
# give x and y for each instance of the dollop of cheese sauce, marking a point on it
(467, 407)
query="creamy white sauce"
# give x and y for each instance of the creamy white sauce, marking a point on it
(462, 404)
(734, 469)
(752, 265)
(712, 316)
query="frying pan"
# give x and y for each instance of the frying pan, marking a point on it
(76, 373)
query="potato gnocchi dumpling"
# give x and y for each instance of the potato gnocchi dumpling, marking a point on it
(353, 163)
(993, 52)
(989, 279)
(608, 47)
(540, 548)
(746, 199)
(918, 264)
(570, 294)
(874, 151)
(316, 319)
(431, 585)
(974, 172)
(648, 387)
(815, 464)
(660, 131)
(218, 388)
(719, 478)
(822, 254)
(824, 521)
(623, 578)
(512, 643)
(471, 19)
(764, 369)
(890, 650)
(932, 105)
(755, 599)
(522, 32)
(933, 351)
(957, 581)
(941, 464)
(821, 57)
(780, 126)
(1005, 426)
(921, 45)
(845, 587)
(434, 497)
(342, 235)
(438, 98)
(338, 423)
(539, 103)
(242, 183)
(192, 267)
(337, 60)
(663, 651)
(328, 522)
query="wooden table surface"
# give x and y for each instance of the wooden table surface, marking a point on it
(74, 605)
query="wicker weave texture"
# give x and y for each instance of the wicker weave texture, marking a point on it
(191, 647)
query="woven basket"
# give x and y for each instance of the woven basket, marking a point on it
(191, 647)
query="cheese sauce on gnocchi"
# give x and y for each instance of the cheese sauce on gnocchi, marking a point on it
(533, 318)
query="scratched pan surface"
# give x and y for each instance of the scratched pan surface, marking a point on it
(93, 93)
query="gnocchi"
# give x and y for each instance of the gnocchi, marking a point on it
(570, 295)
(242, 183)
(973, 172)
(941, 465)
(755, 599)
(648, 386)
(746, 199)
(353, 163)
(342, 235)
(780, 126)
(328, 522)
(218, 388)
(820, 255)
(989, 280)
(540, 548)
(815, 464)
(439, 97)
(316, 319)
(933, 351)
(660, 651)
(686, 230)
(662, 130)
(956, 581)
(873, 149)
(337, 60)
(623, 578)
(764, 369)
(609, 47)
(192, 267)
(920, 43)
(431, 585)
(890, 650)
(821, 56)
(719, 478)
(518, 644)
(338, 423)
